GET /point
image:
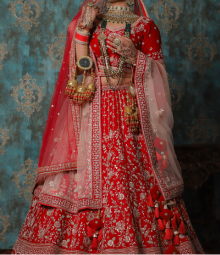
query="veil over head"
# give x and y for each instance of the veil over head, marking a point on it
(71, 149)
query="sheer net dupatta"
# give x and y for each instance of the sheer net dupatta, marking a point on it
(69, 173)
(154, 102)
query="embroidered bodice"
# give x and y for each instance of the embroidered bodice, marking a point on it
(144, 34)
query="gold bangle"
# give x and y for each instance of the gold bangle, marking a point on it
(80, 42)
(83, 31)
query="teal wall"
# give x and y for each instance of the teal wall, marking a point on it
(30, 57)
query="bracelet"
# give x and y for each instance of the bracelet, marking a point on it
(81, 39)
(83, 31)
(83, 28)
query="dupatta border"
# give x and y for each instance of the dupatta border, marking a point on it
(143, 67)
(56, 168)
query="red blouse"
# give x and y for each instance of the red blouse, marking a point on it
(144, 34)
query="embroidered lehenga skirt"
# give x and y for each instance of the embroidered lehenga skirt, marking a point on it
(129, 223)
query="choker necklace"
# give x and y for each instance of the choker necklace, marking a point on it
(118, 14)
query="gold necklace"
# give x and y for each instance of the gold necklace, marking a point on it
(105, 57)
(118, 14)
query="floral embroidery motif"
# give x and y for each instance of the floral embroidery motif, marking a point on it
(176, 93)
(28, 172)
(26, 19)
(57, 48)
(170, 13)
(4, 137)
(28, 102)
(197, 53)
(5, 224)
(3, 52)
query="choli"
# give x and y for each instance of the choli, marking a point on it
(144, 34)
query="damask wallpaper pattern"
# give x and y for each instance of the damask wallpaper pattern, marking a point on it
(32, 40)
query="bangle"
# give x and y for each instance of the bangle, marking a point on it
(82, 31)
(80, 27)
(81, 38)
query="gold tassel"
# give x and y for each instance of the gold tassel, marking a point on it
(90, 89)
(131, 113)
(71, 85)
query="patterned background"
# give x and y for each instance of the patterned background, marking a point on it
(32, 38)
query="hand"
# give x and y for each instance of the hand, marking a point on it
(125, 48)
(88, 15)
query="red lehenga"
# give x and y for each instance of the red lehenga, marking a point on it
(101, 188)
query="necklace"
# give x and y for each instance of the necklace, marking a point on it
(131, 113)
(118, 14)
(105, 57)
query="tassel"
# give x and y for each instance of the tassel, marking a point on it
(94, 243)
(168, 234)
(173, 222)
(150, 201)
(90, 231)
(171, 250)
(161, 225)
(176, 240)
(159, 157)
(182, 228)
(100, 235)
(164, 223)
(157, 212)
(164, 164)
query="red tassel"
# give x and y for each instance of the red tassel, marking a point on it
(100, 235)
(171, 250)
(94, 243)
(168, 234)
(164, 223)
(150, 201)
(164, 164)
(157, 212)
(95, 224)
(173, 222)
(159, 157)
(182, 228)
(176, 240)
(90, 231)
(161, 225)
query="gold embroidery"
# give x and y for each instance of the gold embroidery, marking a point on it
(3, 52)
(56, 168)
(26, 20)
(197, 53)
(57, 48)
(28, 103)
(29, 172)
(4, 137)
(170, 13)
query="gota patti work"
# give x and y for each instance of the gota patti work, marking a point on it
(97, 165)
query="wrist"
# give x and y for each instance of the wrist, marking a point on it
(84, 27)
(82, 36)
